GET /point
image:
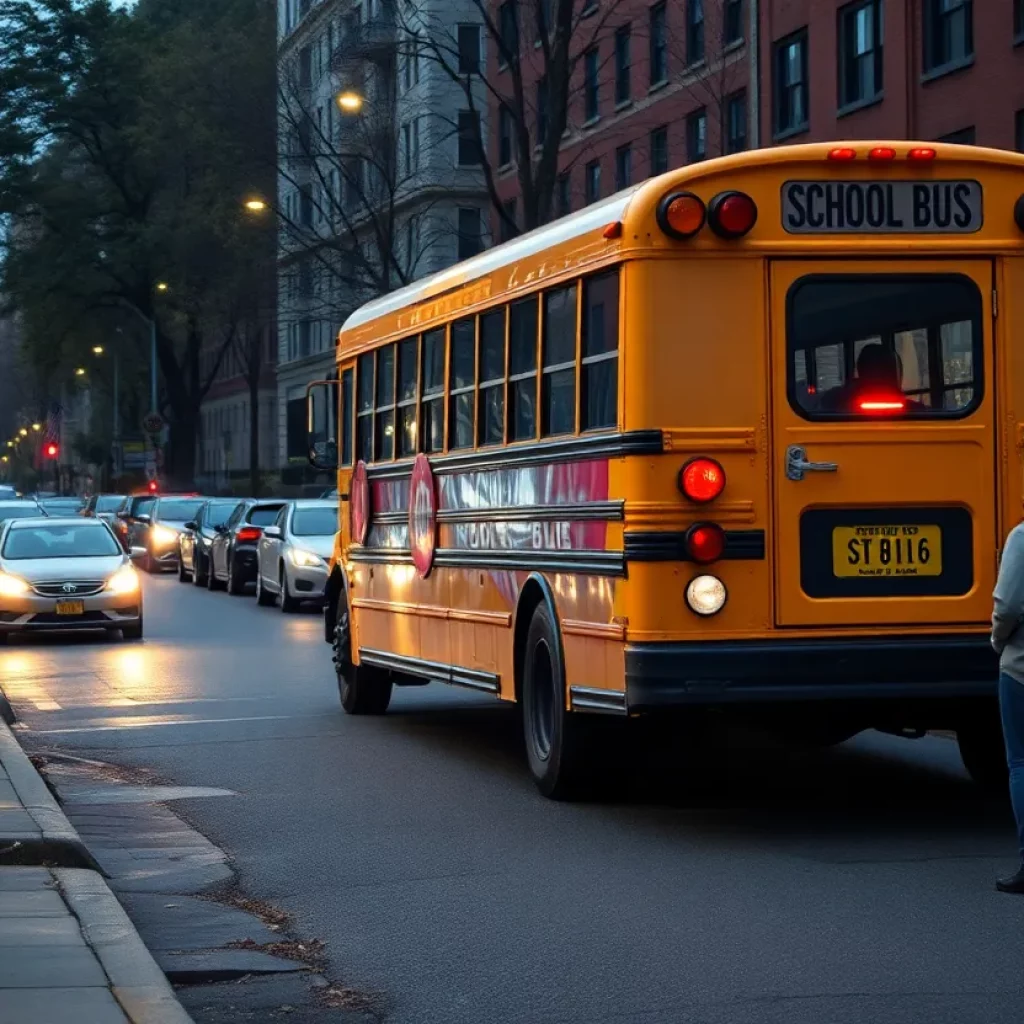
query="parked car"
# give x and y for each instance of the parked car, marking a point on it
(233, 551)
(160, 528)
(64, 506)
(293, 554)
(66, 573)
(127, 525)
(8, 493)
(20, 508)
(102, 506)
(197, 536)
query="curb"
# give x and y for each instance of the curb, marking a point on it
(55, 842)
(137, 983)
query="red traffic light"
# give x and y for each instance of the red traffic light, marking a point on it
(52, 450)
(152, 487)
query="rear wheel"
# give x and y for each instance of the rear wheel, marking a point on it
(288, 603)
(235, 585)
(556, 739)
(183, 574)
(363, 690)
(980, 739)
(212, 583)
(263, 597)
(198, 579)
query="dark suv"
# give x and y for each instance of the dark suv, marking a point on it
(233, 551)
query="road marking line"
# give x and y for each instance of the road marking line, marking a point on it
(128, 724)
(47, 705)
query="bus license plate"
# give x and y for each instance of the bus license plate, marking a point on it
(70, 607)
(903, 550)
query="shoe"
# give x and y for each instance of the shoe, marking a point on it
(1012, 883)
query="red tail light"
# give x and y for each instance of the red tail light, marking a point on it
(732, 214)
(249, 533)
(705, 542)
(921, 155)
(880, 405)
(882, 153)
(702, 480)
(843, 154)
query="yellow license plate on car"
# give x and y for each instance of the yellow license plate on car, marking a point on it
(865, 551)
(70, 607)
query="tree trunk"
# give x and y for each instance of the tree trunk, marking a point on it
(254, 435)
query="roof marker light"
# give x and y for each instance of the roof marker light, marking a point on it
(842, 154)
(614, 230)
(882, 153)
(921, 154)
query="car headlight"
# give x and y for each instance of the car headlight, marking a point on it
(163, 535)
(12, 586)
(124, 581)
(304, 559)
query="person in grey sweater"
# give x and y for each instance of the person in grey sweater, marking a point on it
(1008, 643)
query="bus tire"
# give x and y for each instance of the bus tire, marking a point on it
(363, 690)
(556, 746)
(983, 751)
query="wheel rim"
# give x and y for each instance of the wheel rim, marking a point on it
(542, 700)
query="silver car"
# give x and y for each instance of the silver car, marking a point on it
(293, 554)
(66, 573)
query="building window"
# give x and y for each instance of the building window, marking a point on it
(490, 410)
(948, 33)
(508, 33)
(558, 363)
(623, 166)
(522, 370)
(432, 395)
(407, 370)
(593, 181)
(469, 49)
(411, 145)
(659, 150)
(590, 94)
(509, 227)
(542, 109)
(470, 235)
(963, 137)
(697, 135)
(411, 69)
(563, 202)
(791, 84)
(1018, 131)
(622, 85)
(860, 52)
(732, 22)
(504, 136)
(462, 384)
(694, 31)
(659, 45)
(600, 352)
(469, 138)
(736, 122)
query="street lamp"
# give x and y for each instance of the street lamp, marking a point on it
(350, 101)
(255, 205)
(161, 286)
(23, 432)
(97, 350)
(37, 427)
(80, 371)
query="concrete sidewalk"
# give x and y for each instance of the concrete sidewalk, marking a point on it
(68, 952)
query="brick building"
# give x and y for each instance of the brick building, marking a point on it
(663, 84)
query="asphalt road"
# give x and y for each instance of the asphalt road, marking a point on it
(847, 886)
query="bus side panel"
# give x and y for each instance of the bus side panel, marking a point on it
(1010, 375)
(696, 367)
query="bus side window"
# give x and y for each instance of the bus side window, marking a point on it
(522, 370)
(432, 401)
(558, 359)
(345, 424)
(364, 409)
(600, 387)
(462, 384)
(407, 369)
(384, 414)
(491, 407)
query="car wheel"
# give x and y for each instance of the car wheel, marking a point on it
(148, 565)
(263, 597)
(134, 631)
(363, 690)
(288, 603)
(557, 750)
(198, 579)
(212, 583)
(234, 586)
(183, 573)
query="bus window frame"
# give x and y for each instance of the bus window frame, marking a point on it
(979, 362)
(452, 392)
(493, 382)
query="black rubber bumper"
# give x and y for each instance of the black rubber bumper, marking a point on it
(662, 675)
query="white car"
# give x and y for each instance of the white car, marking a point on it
(293, 554)
(66, 573)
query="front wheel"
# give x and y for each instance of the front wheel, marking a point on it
(983, 751)
(556, 739)
(134, 631)
(288, 603)
(212, 583)
(198, 579)
(183, 573)
(263, 597)
(363, 690)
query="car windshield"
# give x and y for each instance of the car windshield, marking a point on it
(315, 522)
(108, 502)
(21, 510)
(62, 504)
(218, 515)
(178, 511)
(86, 541)
(140, 506)
(264, 515)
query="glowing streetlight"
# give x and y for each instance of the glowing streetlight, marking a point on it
(10, 444)
(37, 427)
(161, 286)
(255, 205)
(23, 432)
(350, 101)
(97, 350)
(80, 372)
(4, 459)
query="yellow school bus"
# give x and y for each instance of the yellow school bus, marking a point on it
(746, 436)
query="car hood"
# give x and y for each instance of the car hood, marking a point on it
(322, 546)
(43, 570)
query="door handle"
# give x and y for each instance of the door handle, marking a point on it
(797, 464)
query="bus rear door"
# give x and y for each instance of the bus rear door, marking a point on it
(883, 442)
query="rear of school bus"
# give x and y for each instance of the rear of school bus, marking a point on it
(832, 340)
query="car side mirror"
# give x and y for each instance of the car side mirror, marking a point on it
(191, 525)
(220, 528)
(274, 532)
(144, 519)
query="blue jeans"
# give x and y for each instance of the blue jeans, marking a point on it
(1011, 710)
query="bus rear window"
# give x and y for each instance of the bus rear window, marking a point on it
(873, 346)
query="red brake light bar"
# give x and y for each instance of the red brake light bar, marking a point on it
(249, 533)
(881, 405)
